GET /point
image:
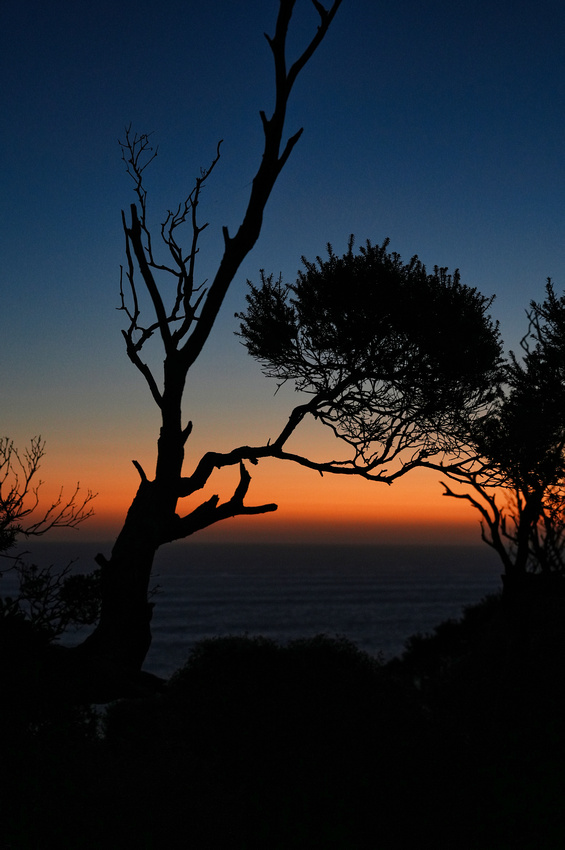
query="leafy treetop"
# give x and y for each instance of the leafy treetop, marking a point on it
(393, 355)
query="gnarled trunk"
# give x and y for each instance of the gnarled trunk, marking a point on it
(123, 632)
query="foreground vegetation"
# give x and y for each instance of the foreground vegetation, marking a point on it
(459, 742)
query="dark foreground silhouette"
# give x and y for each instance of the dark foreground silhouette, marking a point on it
(458, 743)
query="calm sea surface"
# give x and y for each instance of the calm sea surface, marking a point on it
(377, 596)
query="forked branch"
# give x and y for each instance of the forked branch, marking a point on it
(186, 324)
(212, 511)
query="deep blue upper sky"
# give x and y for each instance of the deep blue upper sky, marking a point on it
(438, 124)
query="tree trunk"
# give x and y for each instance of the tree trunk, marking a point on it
(123, 633)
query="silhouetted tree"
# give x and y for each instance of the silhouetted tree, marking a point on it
(397, 362)
(49, 598)
(41, 604)
(19, 497)
(183, 325)
(518, 485)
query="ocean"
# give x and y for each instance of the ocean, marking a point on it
(374, 595)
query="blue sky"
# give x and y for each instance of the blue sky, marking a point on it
(439, 125)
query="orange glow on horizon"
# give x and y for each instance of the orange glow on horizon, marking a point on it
(313, 509)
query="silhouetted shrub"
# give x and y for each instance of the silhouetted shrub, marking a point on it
(252, 744)
(296, 746)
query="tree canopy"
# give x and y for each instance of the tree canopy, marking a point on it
(397, 360)
(518, 485)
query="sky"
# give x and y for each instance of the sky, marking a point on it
(438, 125)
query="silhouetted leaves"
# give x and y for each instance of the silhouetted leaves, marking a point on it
(521, 444)
(390, 352)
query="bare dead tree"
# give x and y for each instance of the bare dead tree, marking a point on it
(49, 598)
(182, 327)
(20, 512)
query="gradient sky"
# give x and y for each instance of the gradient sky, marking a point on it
(438, 124)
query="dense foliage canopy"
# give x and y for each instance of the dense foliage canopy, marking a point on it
(519, 484)
(391, 352)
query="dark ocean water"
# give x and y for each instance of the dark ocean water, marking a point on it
(377, 596)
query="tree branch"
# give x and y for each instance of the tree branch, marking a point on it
(210, 512)
(19, 498)
(237, 247)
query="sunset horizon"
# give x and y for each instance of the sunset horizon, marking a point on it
(282, 434)
(441, 156)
